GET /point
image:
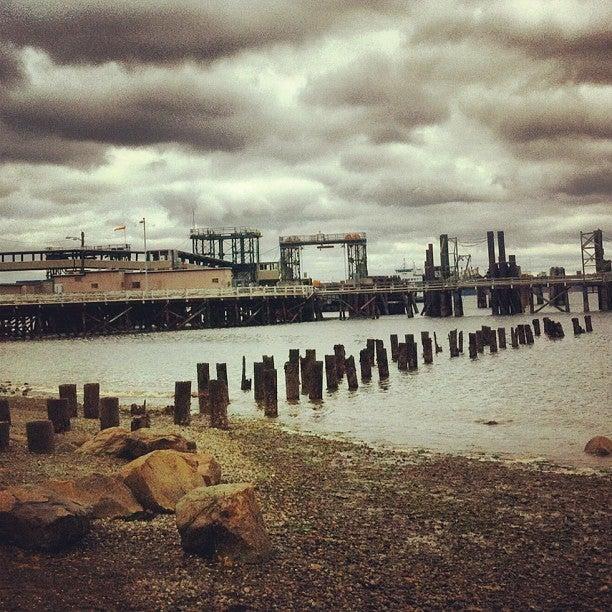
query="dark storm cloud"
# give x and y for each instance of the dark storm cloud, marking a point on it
(11, 69)
(98, 31)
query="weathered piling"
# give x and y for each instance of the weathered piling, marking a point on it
(365, 365)
(501, 337)
(109, 412)
(331, 374)
(258, 388)
(340, 353)
(294, 355)
(138, 409)
(69, 392)
(91, 400)
(426, 343)
(588, 324)
(536, 326)
(383, 364)
(268, 361)
(305, 366)
(472, 345)
(5, 435)
(528, 334)
(402, 356)
(492, 342)
(520, 333)
(182, 402)
(218, 406)
(141, 421)
(203, 376)
(5, 410)
(315, 388)
(351, 373)
(481, 297)
(461, 341)
(577, 327)
(486, 333)
(245, 383)
(453, 348)
(292, 380)
(58, 412)
(394, 343)
(438, 347)
(40, 436)
(222, 375)
(514, 342)
(371, 348)
(479, 341)
(413, 352)
(270, 392)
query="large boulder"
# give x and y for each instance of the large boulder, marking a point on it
(599, 445)
(159, 479)
(37, 519)
(112, 441)
(208, 468)
(223, 522)
(102, 496)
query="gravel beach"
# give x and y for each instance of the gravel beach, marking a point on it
(353, 528)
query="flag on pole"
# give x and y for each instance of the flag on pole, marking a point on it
(119, 228)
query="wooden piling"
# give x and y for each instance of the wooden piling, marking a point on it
(305, 365)
(315, 388)
(292, 381)
(221, 369)
(461, 341)
(109, 412)
(5, 411)
(577, 327)
(270, 392)
(588, 324)
(383, 364)
(5, 435)
(492, 342)
(218, 406)
(402, 356)
(294, 355)
(472, 345)
(453, 348)
(203, 376)
(394, 343)
(258, 388)
(351, 373)
(58, 412)
(182, 402)
(479, 341)
(536, 326)
(427, 345)
(371, 348)
(513, 338)
(245, 383)
(528, 334)
(501, 337)
(268, 361)
(69, 392)
(331, 375)
(91, 400)
(413, 352)
(340, 353)
(438, 347)
(365, 365)
(40, 436)
(520, 332)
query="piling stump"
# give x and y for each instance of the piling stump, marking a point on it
(340, 354)
(577, 327)
(479, 341)
(40, 436)
(588, 324)
(91, 400)
(501, 337)
(222, 375)
(513, 338)
(58, 412)
(270, 392)
(331, 376)
(294, 355)
(69, 392)
(315, 388)
(528, 334)
(218, 405)
(5, 435)
(245, 383)
(371, 348)
(109, 412)
(472, 346)
(182, 402)
(365, 365)
(258, 388)
(520, 332)
(203, 376)
(402, 357)
(5, 411)
(536, 326)
(351, 373)
(438, 347)
(383, 364)
(394, 343)
(292, 380)
(305, 367)
(492, 342)
(461, 341)
(453, 348)
(426, 343)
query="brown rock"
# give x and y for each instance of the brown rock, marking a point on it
(143, 441)
(32, 517)
(102, 496)
(111, 441)
(208, 468)
(599, 445)
(159, 479)
(223, 522)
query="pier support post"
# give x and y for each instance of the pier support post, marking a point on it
(383, 364)
(340, 354)
(292, 381)
(245, 383)
(501, 337)
(588, 324)
(472, 346)
(5, 435)
(69, 393)
(536, 326)
(58, 412)
(394, 343)
(577, 327)
(528, 334)
(91, 400)
(402, 357)
(203, 376)
(258, 387)
(365, 365)
(40, 436)
(270, 392)
(371, 348)
(182, 402)
(5, 411)
(514, 338)
(331, 375)
(315, 388)
(218, 407)
(222, 375)
(109, 412)
(351, 373)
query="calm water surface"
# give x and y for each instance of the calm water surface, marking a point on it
(549, 399)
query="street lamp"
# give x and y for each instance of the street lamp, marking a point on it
(144, 235)
(82, 239)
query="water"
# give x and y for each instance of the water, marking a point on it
(548, 399)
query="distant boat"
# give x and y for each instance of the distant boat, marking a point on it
(409, 273)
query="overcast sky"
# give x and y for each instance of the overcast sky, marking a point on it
(403, 119)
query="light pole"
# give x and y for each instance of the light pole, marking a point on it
(144, 234)
(82, 239)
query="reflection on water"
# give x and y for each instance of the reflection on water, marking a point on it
(548, 399)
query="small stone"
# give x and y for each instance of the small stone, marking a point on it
(599, 445)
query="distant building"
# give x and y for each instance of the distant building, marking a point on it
(26, 287)
(158, 280)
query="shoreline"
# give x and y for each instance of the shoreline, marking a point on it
(353, 528)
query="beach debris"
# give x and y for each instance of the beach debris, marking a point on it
(223, 523)
(34, 518)
(599, 445)
(102, 496)
(159, 479)
(140, 422)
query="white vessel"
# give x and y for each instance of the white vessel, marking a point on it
(409, 272)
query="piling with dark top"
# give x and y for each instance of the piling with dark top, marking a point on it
(461, 341)
(380, 347)
(294, 355)
(69, 392)
(292, 380)
(493, 342)
(438, 347)
(245, 383)
(305, 365)
(58, 412)
(472, 345)
(218, 406)
(331, 375)
(268, 361)
(315, 387)
(383, 364)
(365, 365)
(222, 375)
(577, 327)
(453, 348)
(501, 337)
(270, 392)
(485, 333)
(413, 352)
(203, 375)
(402, 356)
(340, 354)
(394, 343)
(520, 332)
(182, 402)
(479, 341)
(5, 435)
(40, 436)
(371, 348)
(536, 326)
(109, 412)
(426, 343)
(351, 373)
(91, 400)
(528, 334)
(5, 411)
(514, 338)
(588, 323)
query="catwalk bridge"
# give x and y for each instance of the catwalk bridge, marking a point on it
(96, 313)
